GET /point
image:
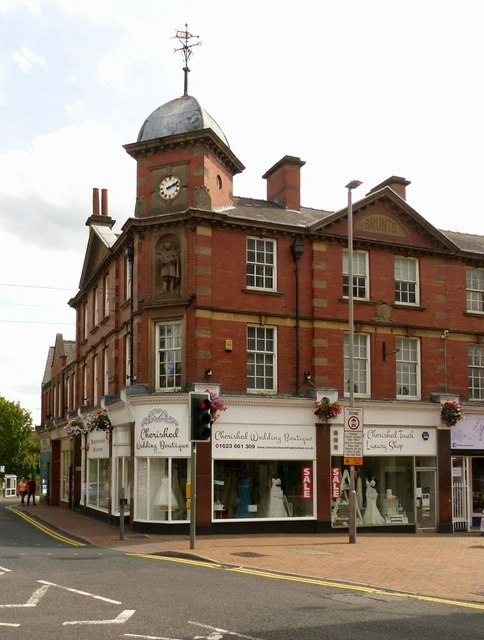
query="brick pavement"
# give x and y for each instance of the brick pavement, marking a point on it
(449, 566)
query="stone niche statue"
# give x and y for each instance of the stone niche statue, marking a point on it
(169, 262)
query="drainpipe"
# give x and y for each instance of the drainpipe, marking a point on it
(297, 252)
(130, 257)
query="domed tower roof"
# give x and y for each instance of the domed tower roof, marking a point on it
(178, 116)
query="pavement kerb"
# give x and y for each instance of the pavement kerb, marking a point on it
(434, 565)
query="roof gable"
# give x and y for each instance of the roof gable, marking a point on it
(101, 240)
(383, 217)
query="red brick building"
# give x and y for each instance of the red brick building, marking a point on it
(202, 290)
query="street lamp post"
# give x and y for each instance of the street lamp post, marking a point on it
(354, 184)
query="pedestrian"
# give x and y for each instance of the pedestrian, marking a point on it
(22, 490)
(31, 488)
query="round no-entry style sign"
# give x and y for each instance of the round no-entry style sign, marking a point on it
(353, 423)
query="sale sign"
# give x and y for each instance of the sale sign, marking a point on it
(335, 483)
(307, 483)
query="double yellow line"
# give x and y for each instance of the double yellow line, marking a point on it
(316, 581)
(50, 532)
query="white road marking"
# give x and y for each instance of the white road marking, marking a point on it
(8, 624)
(123, 617)
(33, 601)
(82, 593)
(135, 635)
(218, 630)
(4, 570)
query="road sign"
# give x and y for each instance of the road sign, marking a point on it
(355, 462)
(353, 433)
(354, 419)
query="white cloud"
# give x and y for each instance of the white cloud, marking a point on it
(11, 5)
(45, 191)
(26, 58)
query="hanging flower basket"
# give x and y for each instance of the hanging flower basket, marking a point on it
(216, 405)
(76, 427)
(99, 420)
(450, 413)
(326, 411)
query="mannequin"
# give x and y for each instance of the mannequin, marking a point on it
(245, 499)
(161, 498)
(372, 515)
(277, 507)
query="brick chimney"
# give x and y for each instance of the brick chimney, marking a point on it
(284, 183)
(396, 183)
(100, 217)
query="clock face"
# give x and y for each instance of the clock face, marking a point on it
(169, 187)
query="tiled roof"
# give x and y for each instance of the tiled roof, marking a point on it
(466, 241)
(271, 213)
(48, 366)
(70, 350)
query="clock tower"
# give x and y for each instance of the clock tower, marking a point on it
(183, 160)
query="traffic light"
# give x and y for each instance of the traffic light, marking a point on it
(200, 418)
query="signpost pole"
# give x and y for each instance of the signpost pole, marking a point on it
(352, 497)
(193, 495)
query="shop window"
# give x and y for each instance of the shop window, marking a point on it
(65, 474)
(478, 486)
(384, 492)
(261, 264)
(98, 483)
(122, 486)
(169, 365)
(360, 275)
(263, 489)
(261, 358)
(408, 368)
(475, 290)
(406, 280)
(161, 489)
(475, 360)
(361, 364)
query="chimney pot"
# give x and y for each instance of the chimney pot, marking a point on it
(95, 202)
(104, 202)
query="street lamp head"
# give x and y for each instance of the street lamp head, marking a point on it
(354, 184)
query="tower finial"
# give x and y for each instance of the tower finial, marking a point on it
(184, 37)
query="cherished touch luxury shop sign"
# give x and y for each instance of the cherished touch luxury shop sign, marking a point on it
(286, 442)
(390, 441)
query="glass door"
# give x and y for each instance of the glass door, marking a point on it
(425, 499)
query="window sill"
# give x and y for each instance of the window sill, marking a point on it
(267, 292)
(402, 305)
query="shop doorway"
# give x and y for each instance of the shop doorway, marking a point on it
(425, 503)
(460, 494)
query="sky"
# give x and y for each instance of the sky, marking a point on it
(357, 90)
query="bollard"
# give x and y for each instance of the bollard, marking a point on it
(482, 523)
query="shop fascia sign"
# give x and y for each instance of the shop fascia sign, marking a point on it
(390, 441)
(258, 442)
(162, 431)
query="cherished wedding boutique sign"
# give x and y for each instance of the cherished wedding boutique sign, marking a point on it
(160, 432)
(390, 441)
(284, 442)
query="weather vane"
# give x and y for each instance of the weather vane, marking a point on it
(184, 38)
